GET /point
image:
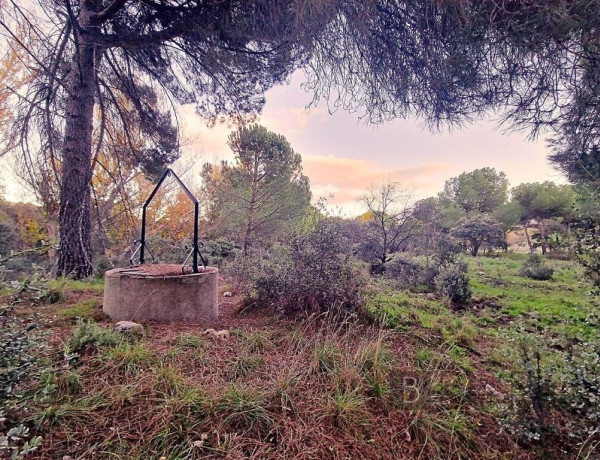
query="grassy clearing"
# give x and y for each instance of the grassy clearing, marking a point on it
(436, 383)
(561, 305)
(538, 337)
(501, 299)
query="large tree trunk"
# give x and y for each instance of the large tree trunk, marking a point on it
(75, 258)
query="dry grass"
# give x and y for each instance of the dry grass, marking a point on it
(320, 388)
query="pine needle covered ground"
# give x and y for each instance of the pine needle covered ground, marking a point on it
(427, 381)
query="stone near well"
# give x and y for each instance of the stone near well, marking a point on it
(128, 326)
(161, 293)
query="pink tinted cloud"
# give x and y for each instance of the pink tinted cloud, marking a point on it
(348, 178)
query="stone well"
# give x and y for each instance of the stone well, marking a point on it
(162, 293)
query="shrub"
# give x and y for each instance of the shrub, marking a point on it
(104, 263)
(314, 273)
(405, 271)
(536, 268)
(430, 273)
(554, 375)
(167, 251)
(218, 250)
(447, 249)
(245, 270)
(452, 282)
(21, 348)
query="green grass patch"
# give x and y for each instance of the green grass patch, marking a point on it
(403, 309)
(131, 357)
(88, 334)
(243, 408)
(85, 309)
(191, 341)
(562, 305)
(62, 285)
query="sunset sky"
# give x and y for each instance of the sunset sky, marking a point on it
(343, 156)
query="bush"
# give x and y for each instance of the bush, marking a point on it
(536, 268)
(447, 249)
(103, 263)
(405, 271)
(166, 251)
(245, 270)
(313, 274)
(219, 250)
(452, 282)
(21, 347)
(408, 272)
(430, 273)
(554, 375)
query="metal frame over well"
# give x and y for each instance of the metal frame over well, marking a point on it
(195, 252)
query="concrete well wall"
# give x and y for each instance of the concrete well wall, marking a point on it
(134, 295)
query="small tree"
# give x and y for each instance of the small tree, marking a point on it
(435, 216)
(263, 192)
(478, 230)
(313, 273)
(509, 215)
(390, 218)
(540, 202)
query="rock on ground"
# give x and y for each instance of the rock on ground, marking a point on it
(128, 326)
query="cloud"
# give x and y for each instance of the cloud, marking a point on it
(348, 178)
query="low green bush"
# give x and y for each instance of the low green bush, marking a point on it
(452, 282)
(554, 375)
(21, 348)
(536, 268)
(405, 271)
(314, 273)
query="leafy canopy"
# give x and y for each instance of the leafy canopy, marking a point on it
(264, 192)
(544, 200)
(481, 190)
(478, 230)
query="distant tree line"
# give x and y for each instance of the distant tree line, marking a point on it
(92, 87)
(262, 197)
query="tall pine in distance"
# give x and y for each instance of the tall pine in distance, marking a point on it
(263, 192)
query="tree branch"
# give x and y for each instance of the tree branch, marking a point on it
(108, 12)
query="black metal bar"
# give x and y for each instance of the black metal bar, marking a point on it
(185, 189)
(168, 172)
(143, 237)
(150, 198)
(196, 250)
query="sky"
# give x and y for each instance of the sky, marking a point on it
(343, 156)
